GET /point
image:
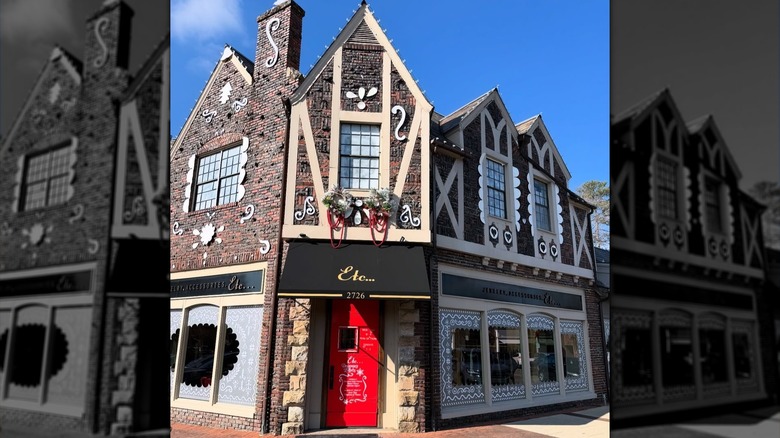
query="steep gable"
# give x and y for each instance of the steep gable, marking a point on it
(541, 148)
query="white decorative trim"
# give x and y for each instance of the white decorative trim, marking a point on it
(266, 246)
(100, 26)
(238, 104)
(272, 26)
(78, 213)
(249, 212)
(361, 95)
(208, 115)
(517, 195)
(224, 93)
(456, 395)
(176, 230)
(531, 203)
(308, 209)
(407, 218)
(444, 200)
(394, 110)
(559, 212)
(481, 203)
(579, 383)
(93, 246)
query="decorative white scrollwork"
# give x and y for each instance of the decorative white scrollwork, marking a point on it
(407, 218)
(136, 210)
(93, 246)
(208, 115)
(308, 209)
(272, 26)
(362, 94)
(266, 246)
(176, 230)
(78, 213)
(250, 211)
(238, 104)
(553, 250)
(100, 27)
(394, 110)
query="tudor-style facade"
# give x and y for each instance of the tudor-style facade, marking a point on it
(411, 270)
(80, 215)
(687, 270)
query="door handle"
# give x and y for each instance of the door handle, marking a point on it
(330, 380)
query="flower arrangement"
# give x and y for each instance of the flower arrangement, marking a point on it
(381, 200)
(337, 200)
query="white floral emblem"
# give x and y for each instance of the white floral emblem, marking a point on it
(207, 233)
(361, 95)
(37, 234)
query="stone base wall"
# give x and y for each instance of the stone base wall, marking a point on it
(295, 369)
(125, 353)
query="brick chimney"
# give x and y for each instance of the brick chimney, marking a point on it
(278, 41)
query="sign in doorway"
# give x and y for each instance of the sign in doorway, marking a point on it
(353, 364)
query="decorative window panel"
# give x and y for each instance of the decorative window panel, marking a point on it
(743, 351)
(359, 162)
(574, 361)
(175, 327)
(199, 348)
(541, 206)
(505, 344)
(47, 178)
(676, 339)
(26, 361)
(496, 189)
(459, 342)
(218, 178)
(633, 358)
(541, 352)
(239, 386)
(68, 385)
(712, 351)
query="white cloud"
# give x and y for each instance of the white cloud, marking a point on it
(24, 21)
(204, 19)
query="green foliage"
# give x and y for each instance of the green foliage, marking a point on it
(596, 193)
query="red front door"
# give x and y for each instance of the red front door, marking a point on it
(353, 365)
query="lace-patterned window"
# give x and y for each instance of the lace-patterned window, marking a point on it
(541, 353)
(506, 356)
(461, 357)
(237, 351)
(46, 350)
(632, 357)
(575, 367)
(676, 339)
(743, 352)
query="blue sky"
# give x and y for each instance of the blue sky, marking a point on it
(549, 57)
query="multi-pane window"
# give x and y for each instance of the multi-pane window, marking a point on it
(496, 189)
(47, 179)
(217, 181)
(359, 156)
(541, 205)
(712, 204)
(667, 187)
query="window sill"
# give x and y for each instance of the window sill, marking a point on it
(217, 408)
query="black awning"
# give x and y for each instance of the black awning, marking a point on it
(354, 271)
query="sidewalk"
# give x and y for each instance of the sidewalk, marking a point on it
(588, 423)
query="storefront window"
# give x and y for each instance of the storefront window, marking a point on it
(506, 356)
(632, 356)
(199, 347)
(712, 349)
(46, 344)
(461, 364)
(174, 341)
(743, 350)
(676, 354)
(541, 352)
(573, 356)
(240, 384)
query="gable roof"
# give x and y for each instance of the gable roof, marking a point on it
(530, 125)
(148, 66)
(242, 64)
(700, 124)
(525, 125)
(72, 65)
(362, 28)
(452, 120)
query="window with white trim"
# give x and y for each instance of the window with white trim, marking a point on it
(217, 179)
(542, 205)
(359, 162)
(666, 182)
(496, 189)
(712, 209)
(46, 178)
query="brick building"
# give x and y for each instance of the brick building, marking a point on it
(79, 218)
(351, 257)
(688, 276)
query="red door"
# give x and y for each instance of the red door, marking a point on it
(353, 365)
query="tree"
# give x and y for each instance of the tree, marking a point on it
(596, 193)
(768, 193)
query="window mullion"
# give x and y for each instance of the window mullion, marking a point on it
(219, 349)
(8, 351)
(47, 349)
